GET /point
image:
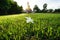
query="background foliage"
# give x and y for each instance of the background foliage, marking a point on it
(9, 7)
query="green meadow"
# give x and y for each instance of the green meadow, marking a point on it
(46, 26)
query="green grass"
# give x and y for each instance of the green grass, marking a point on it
(45, 27)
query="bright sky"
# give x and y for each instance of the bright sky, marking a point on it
(51, 3)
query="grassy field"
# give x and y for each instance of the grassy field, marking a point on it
(45, 27)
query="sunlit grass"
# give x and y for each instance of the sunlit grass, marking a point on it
(15, 26)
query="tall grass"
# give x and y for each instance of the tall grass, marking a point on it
(45, 27)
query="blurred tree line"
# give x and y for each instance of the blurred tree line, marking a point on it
(9, 7)
(45, 10)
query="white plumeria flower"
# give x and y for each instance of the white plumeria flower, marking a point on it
(29, 20)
